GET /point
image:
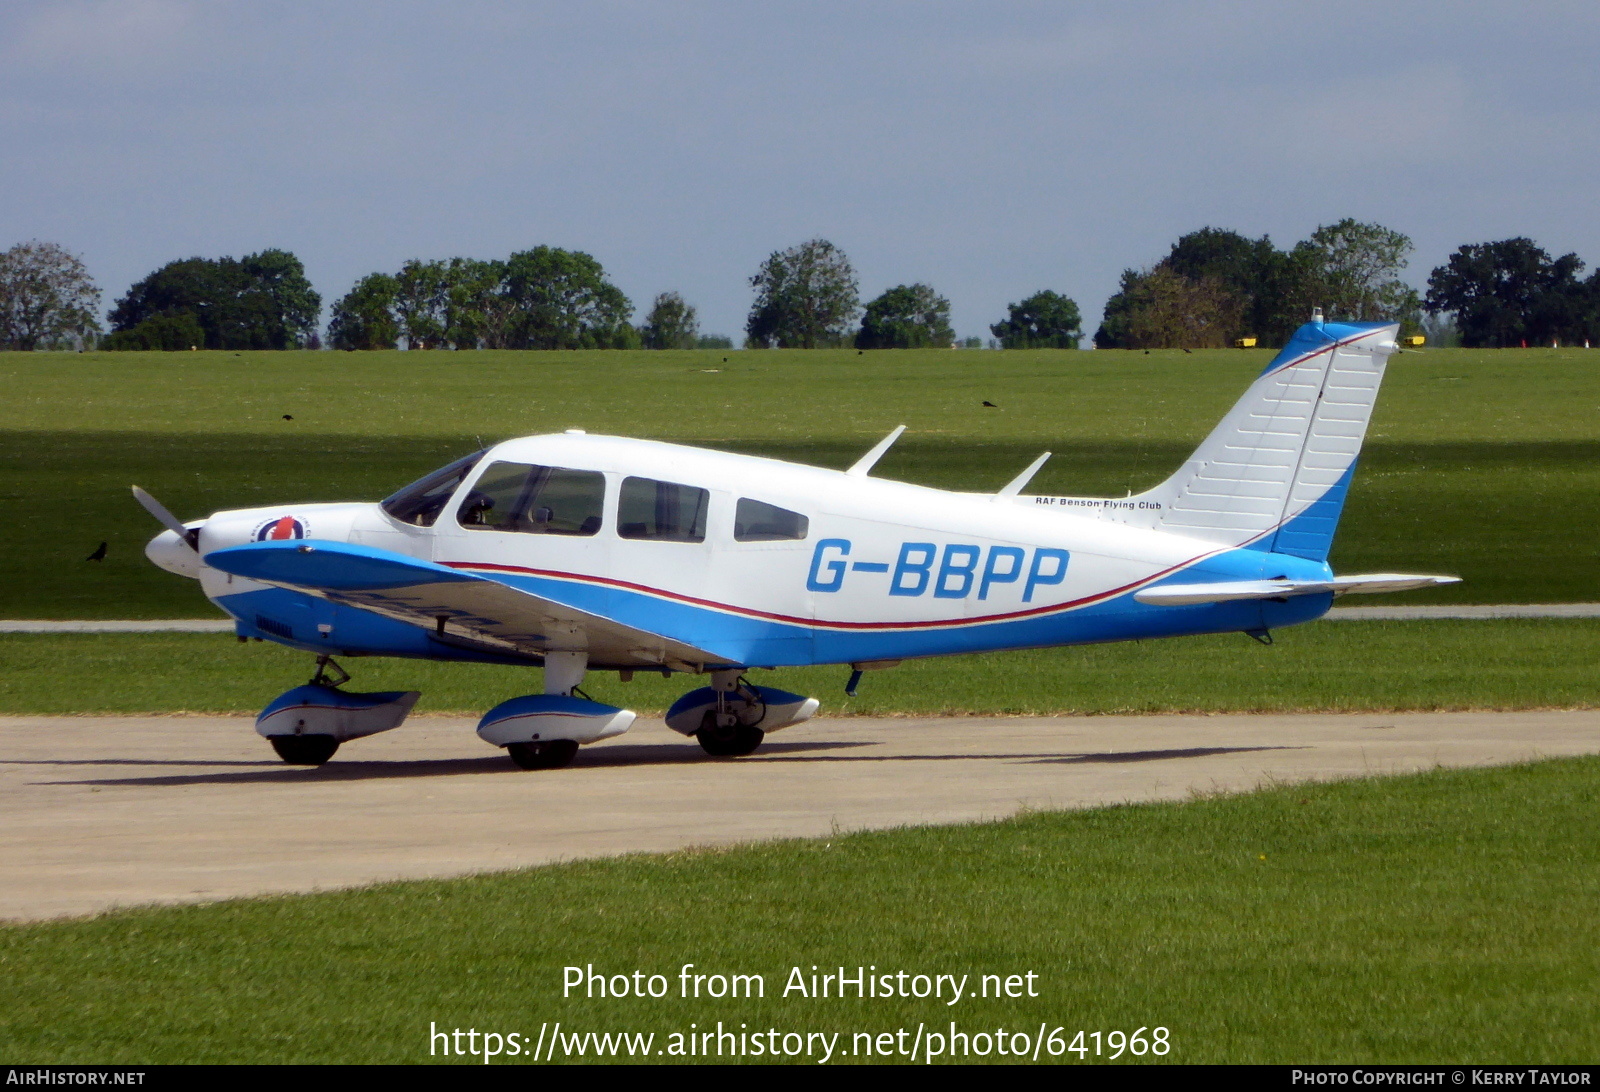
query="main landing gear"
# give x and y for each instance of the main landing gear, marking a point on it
(721, 739)
(542, 731)
(729, 718)
(304, 750)
(729, 728)
(732, 716)
(550, 754)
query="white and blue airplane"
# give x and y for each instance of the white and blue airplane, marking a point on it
(577, 553)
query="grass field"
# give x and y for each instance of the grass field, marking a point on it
(1324, 666)
(1442, 917)
(1481, 463)
(1446, 917)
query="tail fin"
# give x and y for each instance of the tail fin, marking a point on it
(1274, 473)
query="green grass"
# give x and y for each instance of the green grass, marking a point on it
(1481, 463)
(1446, 917)
(1333, 666)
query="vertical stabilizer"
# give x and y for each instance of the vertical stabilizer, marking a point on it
(1274, 473)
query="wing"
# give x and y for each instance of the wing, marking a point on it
(454, 604)
(1175, 595)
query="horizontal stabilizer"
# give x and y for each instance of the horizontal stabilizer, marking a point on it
(1177, 595)
(451, 603)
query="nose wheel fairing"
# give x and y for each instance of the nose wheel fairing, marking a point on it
(319, 709)
(306, 725)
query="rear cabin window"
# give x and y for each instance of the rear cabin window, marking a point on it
(758, 521)
(535, 500)
(664, 511)
(421, 502)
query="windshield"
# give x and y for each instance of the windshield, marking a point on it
(421, 502)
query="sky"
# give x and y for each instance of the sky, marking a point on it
(989, 149)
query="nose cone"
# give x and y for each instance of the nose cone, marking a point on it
(173, 554)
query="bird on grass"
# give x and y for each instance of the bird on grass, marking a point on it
(991, 405)
(288, 417)
(99, 553)
(1189, 351)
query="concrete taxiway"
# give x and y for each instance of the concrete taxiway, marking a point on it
(101, 812)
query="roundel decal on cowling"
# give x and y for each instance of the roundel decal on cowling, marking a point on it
(280, 529)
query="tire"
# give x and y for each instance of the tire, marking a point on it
(549, 754)
(732, 742)
(304, 750)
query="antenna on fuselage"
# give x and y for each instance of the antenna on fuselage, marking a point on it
(1015, 485)
(870, 459)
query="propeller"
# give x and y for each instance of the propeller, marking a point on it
(167, 519)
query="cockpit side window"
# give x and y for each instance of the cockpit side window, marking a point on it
(535, 500)
(664, 511)
(421, 502)
(758, 521)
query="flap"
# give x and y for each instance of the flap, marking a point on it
(454, 604)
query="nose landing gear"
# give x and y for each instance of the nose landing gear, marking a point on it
(306, 725)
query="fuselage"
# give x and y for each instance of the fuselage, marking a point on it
(768, 563)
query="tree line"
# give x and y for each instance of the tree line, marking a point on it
(1213, 287)
(807, 297)
(1216, 286)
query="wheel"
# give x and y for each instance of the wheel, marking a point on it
(304, 750)
(730, 741)
(549, 754)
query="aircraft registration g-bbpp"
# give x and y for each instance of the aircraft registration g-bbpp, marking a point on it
(583, 553)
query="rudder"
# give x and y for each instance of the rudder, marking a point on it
(1274, 473)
